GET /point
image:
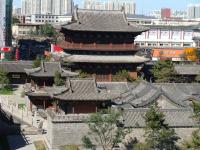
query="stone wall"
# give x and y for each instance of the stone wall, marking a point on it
(65, 130)
(69, 129)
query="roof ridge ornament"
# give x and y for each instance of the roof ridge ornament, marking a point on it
(95, 84)
(69, 84)
(75, 15)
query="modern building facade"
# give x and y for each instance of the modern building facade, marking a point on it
(22, 30)
(193, 11)
(165, 13)
(174, 14)
(128, 5)
(48, 18)
(54, 7)
(168, 36)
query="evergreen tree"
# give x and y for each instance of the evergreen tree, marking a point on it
(4, 81)
(157, 132)
(163, 71)
(122, 75)
(194, 142)
(48, 31)
(58, 81)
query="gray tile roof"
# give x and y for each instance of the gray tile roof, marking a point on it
(146, 93)
(174, 117)
(114, 88)
(48, 69)
(139, 96)
(16, 66)
(175, 94)
(106, 59)
(126, 95)
(187, 69)
(102, 21)
(84, 90)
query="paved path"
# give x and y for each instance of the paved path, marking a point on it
(9, 103)
(18, 142)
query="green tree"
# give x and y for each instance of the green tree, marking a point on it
(163, 71)
(122, 75)
(82, 74)
(194, 142)
(36, 63)
(87, 143)
(157, 132)
(48, 30)
(15, 20)
(105, 130)
(58, 81)
(196, 111)
(197, 78)
(4, 81)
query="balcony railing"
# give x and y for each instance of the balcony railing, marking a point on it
(68, 45)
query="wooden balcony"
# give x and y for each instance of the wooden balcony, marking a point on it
(103, 47)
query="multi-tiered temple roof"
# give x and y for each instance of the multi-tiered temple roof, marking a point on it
(101, 43)
(101, 21)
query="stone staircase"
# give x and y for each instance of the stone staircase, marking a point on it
(11, 113)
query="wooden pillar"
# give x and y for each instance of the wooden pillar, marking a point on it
(110, 76)
(73, 109)
(55, 105)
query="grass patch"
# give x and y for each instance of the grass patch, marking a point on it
(39, 145)
(69, 147)
(6, 91)
(4, 143)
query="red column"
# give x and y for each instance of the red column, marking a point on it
(17, 54)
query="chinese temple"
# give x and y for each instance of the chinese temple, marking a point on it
(75, 97)
(101, 43)
(44, 75)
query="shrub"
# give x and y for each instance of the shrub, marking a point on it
(122, 75)
(36, 63)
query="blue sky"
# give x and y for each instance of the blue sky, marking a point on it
(145, 6)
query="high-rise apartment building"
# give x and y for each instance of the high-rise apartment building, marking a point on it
(128, 5)
(26, 7)
(55, 7)
(5, 23)
(36, 7)
(193, 11)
